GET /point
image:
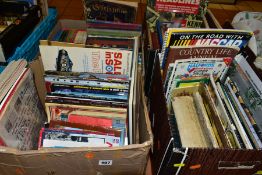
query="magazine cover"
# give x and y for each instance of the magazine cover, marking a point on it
(76, 59)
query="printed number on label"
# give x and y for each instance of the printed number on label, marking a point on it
(105, 162)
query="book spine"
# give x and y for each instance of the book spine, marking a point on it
(40, 138)
(79, 101)
(162, 55)
(87, 89)
(159, 32)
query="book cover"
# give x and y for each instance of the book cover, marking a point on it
(107, 112)
(61, 138)
(76, 59)
(58, 76)
(109, 11)
(184, 6)
(81, 81)
(189, 126)
(84, 101)
(191, 52)
(197, 68)
(203, 37)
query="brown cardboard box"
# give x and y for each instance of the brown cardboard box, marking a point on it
(131, 159)
(64, 24)
(169, 158)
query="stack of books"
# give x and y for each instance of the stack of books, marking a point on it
(230, 87)
(91, 91)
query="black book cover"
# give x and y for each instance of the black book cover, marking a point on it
(109, 11)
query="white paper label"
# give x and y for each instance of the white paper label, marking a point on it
(105, 162)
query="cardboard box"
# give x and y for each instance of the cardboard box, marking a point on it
(64, 24)
(131, 159)
(168, 158)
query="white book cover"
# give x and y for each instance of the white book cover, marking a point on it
(95, 60)
(74, 138)
(253, 78)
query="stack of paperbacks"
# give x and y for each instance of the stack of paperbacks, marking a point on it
(213, 95)
(21, 112)
(91, 90)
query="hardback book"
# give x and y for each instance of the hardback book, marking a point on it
(107, 10)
